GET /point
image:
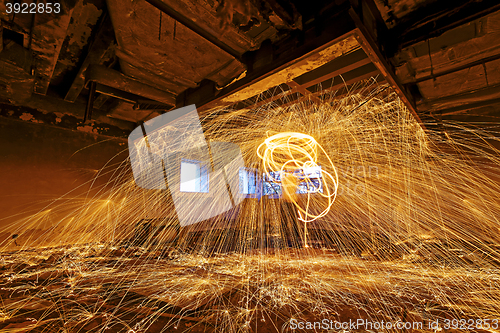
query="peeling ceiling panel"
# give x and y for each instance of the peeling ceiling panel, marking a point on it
(150, 42)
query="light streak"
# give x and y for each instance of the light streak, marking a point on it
(291, 153)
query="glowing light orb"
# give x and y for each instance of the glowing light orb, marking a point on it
(299, 159)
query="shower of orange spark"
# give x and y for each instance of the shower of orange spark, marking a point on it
(291, 153)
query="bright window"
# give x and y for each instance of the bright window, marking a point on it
(194, 176)
(248, 182)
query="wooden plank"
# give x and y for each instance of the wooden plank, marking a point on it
(320, 92)
(116, 93)
(323, 91)
(301, 89)
(49, 104)
(338, 72)
(169, 80)
(347, 82)
(351, 88)
(338, 66)
(298, 100)
(117, 80)
(273, 98)
(484, 108)
(458, 68)
(102, 42)
(350, 76)
(462, 100)
(473, 78)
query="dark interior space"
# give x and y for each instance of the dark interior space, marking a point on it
(249, 166)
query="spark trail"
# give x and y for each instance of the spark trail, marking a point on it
(413, 234)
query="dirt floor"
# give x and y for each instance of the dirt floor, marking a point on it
(101, 288)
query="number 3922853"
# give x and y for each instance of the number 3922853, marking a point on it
(33, 8)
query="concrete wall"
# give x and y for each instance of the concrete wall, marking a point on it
(40, 164)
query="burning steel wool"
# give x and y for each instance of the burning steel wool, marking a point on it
(402, 228)
(295, 155)
(290, 154)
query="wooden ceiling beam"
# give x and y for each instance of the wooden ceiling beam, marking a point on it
(100, 46)
(46, 41)
(116, 80)
(282, 55)
(372, 50)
